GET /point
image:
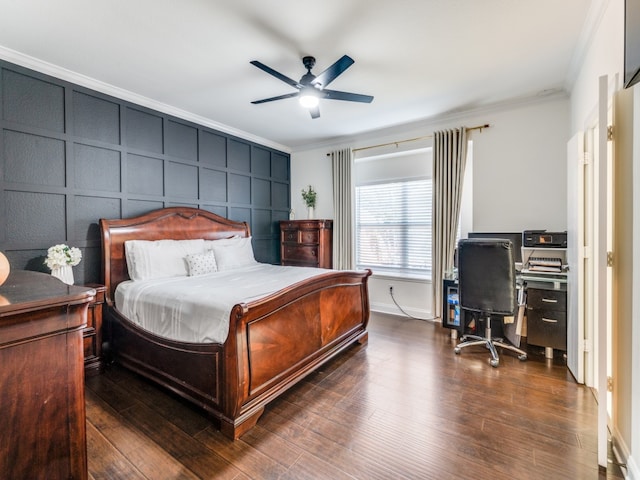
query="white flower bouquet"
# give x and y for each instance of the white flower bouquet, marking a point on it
(61, 255)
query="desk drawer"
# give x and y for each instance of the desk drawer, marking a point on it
(547, 328)
(547, 299)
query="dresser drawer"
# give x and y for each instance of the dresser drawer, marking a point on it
(303, 224)
(547, 299)
(289, 236)
(547, 328)
(301, 253)
(300, 236)
(309, 236)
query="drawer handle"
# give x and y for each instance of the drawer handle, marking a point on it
(549, 320)
(313, 253)
(550, 300)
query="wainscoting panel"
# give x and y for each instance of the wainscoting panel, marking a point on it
(88, 161)
(33, 219)
(213, 185)
(96, 118)
(32, 101)
(33, 159)
(145, 175)
(213, 150)
(144, 131)
(70, 156)
(182, 141)
(239, 156)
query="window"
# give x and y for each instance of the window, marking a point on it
(393, 227)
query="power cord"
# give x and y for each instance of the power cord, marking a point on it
(402, 310)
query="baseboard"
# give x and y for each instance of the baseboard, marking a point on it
(633, 471)
(391, 309)
(623, 456)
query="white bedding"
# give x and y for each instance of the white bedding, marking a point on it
(196, 309)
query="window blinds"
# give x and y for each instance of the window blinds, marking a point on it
(393, 227)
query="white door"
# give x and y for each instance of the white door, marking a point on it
(575, 256)
(589, 280)
(602, 243)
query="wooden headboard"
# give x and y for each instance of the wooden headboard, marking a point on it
(176, 223)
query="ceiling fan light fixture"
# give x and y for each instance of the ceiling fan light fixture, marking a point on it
(309, 98)
(311, 88)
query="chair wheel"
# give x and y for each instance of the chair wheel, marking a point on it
(522, 357)
(456, 350)
(494, 363)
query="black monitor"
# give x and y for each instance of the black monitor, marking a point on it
(515, 237)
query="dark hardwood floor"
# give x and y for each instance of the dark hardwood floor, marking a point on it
(402, 407)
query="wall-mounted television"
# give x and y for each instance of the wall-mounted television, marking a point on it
(631, 42)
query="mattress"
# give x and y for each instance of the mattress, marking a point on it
(196, 309)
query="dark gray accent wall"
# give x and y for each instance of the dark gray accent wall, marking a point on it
(70, 156)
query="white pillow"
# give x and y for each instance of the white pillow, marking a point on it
(234, 254)
(202, 263)
(160, 258)
(221, 241)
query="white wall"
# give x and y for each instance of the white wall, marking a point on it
(605, 56)
(519, 169)
(519, 178)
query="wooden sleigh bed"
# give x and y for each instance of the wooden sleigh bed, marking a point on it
(272, 342)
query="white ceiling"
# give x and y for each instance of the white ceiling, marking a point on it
(418, 58)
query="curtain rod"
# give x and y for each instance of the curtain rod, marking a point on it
(478, 127)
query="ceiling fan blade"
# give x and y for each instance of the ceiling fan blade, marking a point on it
(330, 74)
(278, 75)
(315, 112)
(347, 96)
(279, 97)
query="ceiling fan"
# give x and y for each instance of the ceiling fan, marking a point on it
(311, 88)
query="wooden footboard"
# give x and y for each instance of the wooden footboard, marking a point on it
(272, 344)
(282, 339)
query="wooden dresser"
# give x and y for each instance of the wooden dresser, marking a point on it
(306, 243)
(42, 425)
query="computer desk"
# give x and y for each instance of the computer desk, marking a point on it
(544, 323)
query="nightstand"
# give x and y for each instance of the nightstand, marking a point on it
(92, 333)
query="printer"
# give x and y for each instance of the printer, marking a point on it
(544, 239)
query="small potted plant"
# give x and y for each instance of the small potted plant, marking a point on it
(309, 196)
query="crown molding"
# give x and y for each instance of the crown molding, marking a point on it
(429, 124)
(61, 73)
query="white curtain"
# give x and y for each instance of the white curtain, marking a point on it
(449, 158)
(343, 210)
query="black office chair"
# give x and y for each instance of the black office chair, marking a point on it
(487, 286)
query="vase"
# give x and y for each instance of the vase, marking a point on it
(310, 213)
(5, 268)
(64, 273)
